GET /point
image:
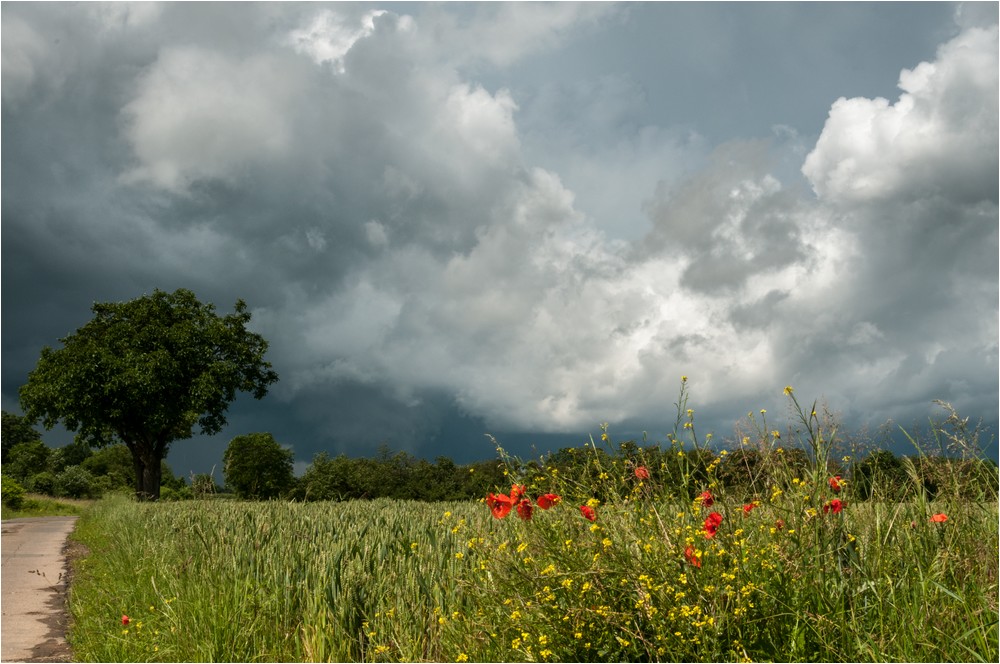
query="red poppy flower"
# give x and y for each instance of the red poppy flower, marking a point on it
(524, 509)
(706, 499)
(125, 619)
(834, 505)
(547, 500)
(939, 518)
(516, 492)
(588, 512)
(779, 524)
(749, 507)
(500, 505)
(692, 557)
(835, 483)
(712, 524)
(641, 472)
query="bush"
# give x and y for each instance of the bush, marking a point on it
(170, 494)
(204, 486)
(75, 482)
(44, 483)
(13, 493)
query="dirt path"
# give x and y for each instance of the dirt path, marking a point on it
(33, 587)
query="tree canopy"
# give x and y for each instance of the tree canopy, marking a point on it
(256, 466)
(145, 372)
(16, 429)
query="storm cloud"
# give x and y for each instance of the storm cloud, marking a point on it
(446, 223)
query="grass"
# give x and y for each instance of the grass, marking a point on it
(237, 581)
(37, 505)
(395, 581)
(644, 582)
(793, 572)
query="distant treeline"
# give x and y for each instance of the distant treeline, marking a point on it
(879, 475)
(76, 471)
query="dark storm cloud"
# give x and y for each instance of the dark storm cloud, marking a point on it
(232, 156)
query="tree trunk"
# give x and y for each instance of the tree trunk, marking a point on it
(151, 476)
(148, 472)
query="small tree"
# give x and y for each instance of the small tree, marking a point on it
(745, 472)
(113, 465)
(326, 479)
(27, 459)
(144, 373)
(881, 476)
(16, 429)
(256, 466)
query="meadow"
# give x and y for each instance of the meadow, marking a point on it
(613, 567)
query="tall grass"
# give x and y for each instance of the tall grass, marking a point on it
(236, 581)
(35, 505)
(790, 574)
(795, 572)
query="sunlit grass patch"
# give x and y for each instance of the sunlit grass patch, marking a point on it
(35, 505)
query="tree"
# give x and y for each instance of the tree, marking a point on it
(880, 476)
(744, 471)
(326, 479)
(73, 454)
(16, 429)
(481, 477)
(27, 459)
(144, 373)
(256, 466)
(113, 466)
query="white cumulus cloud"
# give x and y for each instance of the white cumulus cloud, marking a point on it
(330, 35)
(202, 114)
(939, 137)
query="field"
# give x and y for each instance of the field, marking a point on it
(644, 555)
(407, 581)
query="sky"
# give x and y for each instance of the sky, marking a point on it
(520, 219)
